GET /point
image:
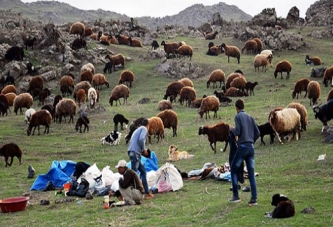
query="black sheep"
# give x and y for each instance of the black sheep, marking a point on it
(79, 43)
(284, 207)
(266, 129)
(14, 53)
(119, 118)
(11, 150)
(31, 69)
(82, 120)
(30, 43)
(135, 124)
(154, 45)
(108, 67)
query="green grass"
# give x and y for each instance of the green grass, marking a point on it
(291, 169)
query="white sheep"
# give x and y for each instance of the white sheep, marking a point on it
(28, 114)
(92, 97)
(261, 60)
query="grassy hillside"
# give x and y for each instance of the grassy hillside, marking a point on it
(291, 169)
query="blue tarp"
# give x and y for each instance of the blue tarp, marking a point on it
(59, 174)
(149, 163)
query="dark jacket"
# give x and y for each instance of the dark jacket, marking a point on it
(131, 178)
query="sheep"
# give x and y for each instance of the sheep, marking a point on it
(77, 28)
(21, 101)
(14, 53)
(268, 53)
(41, 117)
(210, 35)
(164, 105)
(9, 89)
(218, 94)
(82, 120)
(31, 69)
(108, 67)
(28, 114)
(196, 103)
(64, 108)
(261, 60)
(117, 59)
(43, 95)
(315, 60)
(170, 120)
(88, 31)
(184, 50)
(67, 80)
(99, 80)
(186, 81)
(328, 75)
(216, 75)
(207, 104)
(80, 96)
(231, 77)
(302, 112)
(318, 72)
(51, 110)
(3, 109)
(122, 40)
(8, 80)
(5, 106)
(108, 39)
(119, 118)
(285, 121)
(266, 129)
(11, 150)
(173, 89)
(88, 67)
(330, 95)
(239, 82)
(250, 45)
(96, 36)
(134, 42)
(56, 100)
(250, 87)
(78, 43)
(217, 132)
(155, 128)
(134, 125)
(214, 50)
(10, 97)
(86, 76)
(283, 66)
(259, 45)
(170, 48)
(187, 94)
(231, 51)
(127, 77)
(324, 112)
(84, 85)
(65, 89)
(30, 43)
(154, 45)
(92, 97)
(313, 90)
(300, 85)
(234, 92)
(119, 91)
(36, 82)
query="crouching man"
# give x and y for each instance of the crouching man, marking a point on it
(130, 186)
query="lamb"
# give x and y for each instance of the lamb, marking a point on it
(283, 66)
(250, 46)
(318, 72)
(300, 85)
(21, 101)
(186, 81)
(119, 118)
(9, 89)
(330, 95)
(313, 90)
(119, 91)
(207, 104)
(41, 117)
(36, 82)
(187, 94)
(67, 80)
(261, 60)
(173, 90)
(92, 97)
(78, 43)
(216, 75)
(316, 60)
(266, 129)
(231, 51)
(218, 94)
(284, 121)
(99, 80)
(82, 120)
(156, 128)
(268, 53)
(30, 43)
(127, 77)
(328, 75)
(87, 67)
(134, 42)
(117, 59)
(86, 76)
(80, 96)
(64, 108)
(170, 48)
(11, 150)
(184, 50)
(164, 105)
(210, 35)
(14, 53)
(250, 86)
(77, 28)
(170, 120)
(217, 132)
(302, 112)
(4, 104)
(154, 45)
(84, 85)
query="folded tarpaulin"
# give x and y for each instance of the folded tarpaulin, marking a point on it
(149, 163)
(58, 174)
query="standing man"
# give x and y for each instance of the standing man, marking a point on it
(247, 132)
(136, 147)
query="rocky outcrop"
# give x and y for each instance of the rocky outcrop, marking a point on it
(320, 13)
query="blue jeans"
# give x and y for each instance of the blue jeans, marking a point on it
(244, 152)
(136, 165)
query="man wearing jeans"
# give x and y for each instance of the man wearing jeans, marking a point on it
(247, 132)
(135, 149)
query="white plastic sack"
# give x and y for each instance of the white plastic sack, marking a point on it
(151, 178)
(115, 184)
(168, 171)
(107, 176)
(90, 175)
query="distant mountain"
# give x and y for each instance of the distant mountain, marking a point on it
(60, 13)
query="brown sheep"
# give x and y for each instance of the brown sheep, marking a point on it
(261, 60)
(41, 117)
(80, 96)
(43, 95)
(230, 78)
(77, 28)
(99, 80)
(250, 46)
(126, 77)
(86, 76)
(49, 108)
(87, 67)
(187, 94)
(108, 39)
(64, 108)
(170, 48)
(11, 150)
(330, 94)
(259, 45)
(96, 36)
(231, 51)
(283, 66)
(328, 75)
(170, 120)
(122, 40)
(156, 128)
(67, 80)
(207, 104)
(302, 112)
(184, 50)
(239, 82)
(234, 92)
(216, 75)
(88, 32)
(313, 92)
(316, 60)
(210, 35)
(21, 101)
(173, 90)
(300, 85)
(36, 82)
(119, 91)
(4, 105)
(164, 105)
(217, 132)
(117, 59)
(186, 81)
(214, 50)
(83, 84)
(9, 89)
(250, 87)
(134, 42)
(10, 97)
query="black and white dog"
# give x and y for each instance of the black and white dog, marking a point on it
(113, 138)
(284, 207)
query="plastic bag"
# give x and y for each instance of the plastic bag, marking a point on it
(83, 188)
(164, 185)
(107, 176)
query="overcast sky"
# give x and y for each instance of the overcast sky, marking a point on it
(161, 8)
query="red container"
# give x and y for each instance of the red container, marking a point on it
(13, 204)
